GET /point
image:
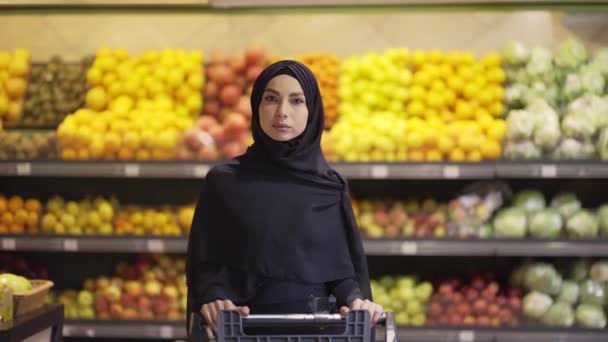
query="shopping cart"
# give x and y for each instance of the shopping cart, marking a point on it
(232, 327)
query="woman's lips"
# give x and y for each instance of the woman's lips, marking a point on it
(281, 127)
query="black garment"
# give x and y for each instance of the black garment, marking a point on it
(278, 212)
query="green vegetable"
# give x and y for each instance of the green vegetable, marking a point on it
(592, 292)
(543, 277)
(599, 272)
(569, 292)
(602, 214)
(566, 203)
(523, 150)
(559, 315)
(536, 304)
(516, 53)
(570, 54)
(590, 316)
(530, 200)
(511, 223)
(583, 224)
(546, 224)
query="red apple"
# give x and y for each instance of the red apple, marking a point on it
(514, 292)
(255, 54)
(253, 72)
(129, 313)
(238, 63)
(116, 310)
(232, 150)
(144, 304)
(515, 304)
(211, 90)
(175, 315)
(206, 121)
(101, 304)
(483, 321)
(217, 57)
(493, 288)
(241, 81)
(480, 306)
(505, 315)
(211, 107)
(501, 300)
(493, 309)
(230, 94)
(455, 319)
(127, 301)
(471, 294)
(208, 153)
(446, 290)
(443, 320)
(463, 308)
(244, 106)
(458, 297)
(435, 309)
(235, 124)
(218, 134)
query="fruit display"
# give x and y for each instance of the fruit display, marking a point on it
(14, 72)
(15, 282)
(11, 263)
(26, 145)
(91, 216)
(19, 215)
(404, 296)
(392, 218)
(563, 217)
(452, 104)
(326, 67)
(136, 220)
(574, 294)
(154, 287)
(479, 302)
(558, 102)
(55, 89)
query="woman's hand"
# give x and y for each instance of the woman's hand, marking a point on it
(375, 310)
(210, 311)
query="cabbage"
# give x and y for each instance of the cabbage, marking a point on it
(515, 95)
(536, 304)
(510, 222)
(525, 150)
(580, 269)
(599, 272)
(590, 316)
(582, 225)
(518, 276)
(566, 203)
(578, 125)
(540, 62)
(602, 214)
(559, 315)
(516, 53)
(543, 277)
(530, 200)
(570, 54)
(569, 292)
(546, 224)
(592, 292)
(573, 149)
(520, 124)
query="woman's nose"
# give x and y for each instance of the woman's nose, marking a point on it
(282, 109)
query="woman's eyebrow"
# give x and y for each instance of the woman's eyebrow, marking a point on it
(276, 92)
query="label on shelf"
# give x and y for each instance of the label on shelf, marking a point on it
(166, 331)
(379, 171)
(200, 171)
(132, 170)
(451, 171)
(409, 248)
(9, 244)
(155, 246)
(70, 245)
(89, 332)
(24, 169)
(466, 336)
(548, 171)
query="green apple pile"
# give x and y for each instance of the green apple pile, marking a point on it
(405, 296)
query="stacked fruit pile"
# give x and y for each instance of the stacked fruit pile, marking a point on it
(152, 288)
(19, 215)
(558, 102)
(223, 130)
(390, 218)
(12, 263)
(480, 302)
(138, 107)
(405, 297)
(22, 145)
(14, 71)
(91, 216)
(55, 89)
(326, 67)
(136, 220)
(575, 296)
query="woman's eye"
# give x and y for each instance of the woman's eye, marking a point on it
(297, 101)
(270, 98)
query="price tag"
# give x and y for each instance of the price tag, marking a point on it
(379, 171)
(24, 169)
(156, 246)
(132, 170)
(90, 332)
(409, 248)
(200, 171)
(9, 244)
(166, 331)
(466, 336)
(451, 171)
(70, 245)
(548, 171)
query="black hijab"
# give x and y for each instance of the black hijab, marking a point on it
(279, 211)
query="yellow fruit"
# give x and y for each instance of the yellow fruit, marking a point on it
(474, 156)
(468, 142)
(20, 216)
(467, 57)
(3, 204)
(3, 104)
(464, 110)
(414, 140)
(94, 76)
(434, 155)
(5, 60)
(497, 130)
(470, 90)
(490, 149)
(418, 58)
(143, 154)
(15, 203)
(7, 218)
(416, 155)
(196, 80)
(125, 153)
(456, 83)
(96, 99)
(19, 67)
(83, 154)
(492, 59)
(435, 56)
(466, 73)
(417, 92)
(457, 155)
(15, 87)
(416, 108)
(445, 144)
(496, 109)
(68, 154)
(496, 75)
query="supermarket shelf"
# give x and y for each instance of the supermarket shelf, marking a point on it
(103, 244)
(298, 3)
(427, 247)
(562, 169)
(125, 329)
(176, 330)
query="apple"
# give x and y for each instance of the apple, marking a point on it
(235, 124)
(217, 57)
(493, 309)
(127, 300)
(144, 304)
(435, 310)
(211, 107)
(218, 134)
(171, 292)
(471, 294)
(230, 94)
(116, 310)
(468, 320)
(255, 55)
(208, 153)
(483, 321)
(253, 72)
(130, 313)
(112, 293)
(480, 306)
(478, 283)
(238, 63)
(211, 90)
(455, 319)
(152, 288)
(515, 304)
(463, 308)
(89, 285)
(102, 282)
(101, 304)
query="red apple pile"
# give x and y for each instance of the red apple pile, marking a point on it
(152, 288)
(392, 218)
(481, 302)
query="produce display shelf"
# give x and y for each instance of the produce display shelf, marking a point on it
(403, 170)
(177, 330)
(425, 247)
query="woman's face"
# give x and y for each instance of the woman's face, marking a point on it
(283, 110)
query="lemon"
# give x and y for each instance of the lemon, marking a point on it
(434, 155)
(414, 140)
(484, 97)
(445, 144)
(435, 56)
(96, 98)
(496, 109)
(463, 110)
(467, 58)
(422, 78)
(497, 92)
(434, 100)
(416, 108)
(94, 76)
(457, 155)
(418, 58)
(474, 156)
(415, 155)
(496, 75)
(493, 59)
(490, 149)
(470, 90)
(497, 130)
(484, 119)
(456, 83)
(417, 92)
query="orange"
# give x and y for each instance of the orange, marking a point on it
(32, 205)
(15, 203)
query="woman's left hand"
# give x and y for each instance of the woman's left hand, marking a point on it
(375, 310)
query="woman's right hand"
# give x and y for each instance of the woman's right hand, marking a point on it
(210, 311)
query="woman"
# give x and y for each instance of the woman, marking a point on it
(275, 226)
